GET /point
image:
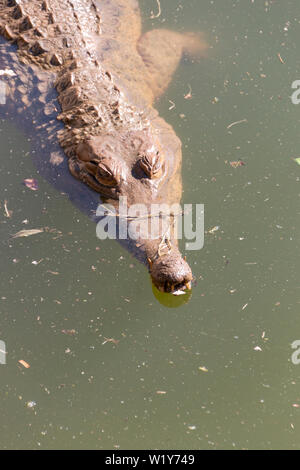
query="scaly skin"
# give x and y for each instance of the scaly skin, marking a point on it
(107, 76)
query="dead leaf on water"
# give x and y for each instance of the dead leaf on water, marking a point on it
(27, 233)
(237, 164)
(24, 364)
(214, 229)
(110, 340)
(31, 184)
(69, 332)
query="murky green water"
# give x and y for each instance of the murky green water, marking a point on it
(222, 361)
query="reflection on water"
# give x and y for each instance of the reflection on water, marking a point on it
(172, 301)
(111, 366)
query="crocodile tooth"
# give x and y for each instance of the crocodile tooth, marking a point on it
(26, 24)
(56, 60)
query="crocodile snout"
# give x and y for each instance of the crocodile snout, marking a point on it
(171, 273)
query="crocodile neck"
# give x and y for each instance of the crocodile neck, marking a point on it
(91, 101)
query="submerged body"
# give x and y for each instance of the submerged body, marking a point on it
(107, 75)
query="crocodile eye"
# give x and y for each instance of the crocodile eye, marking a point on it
(152, 164)
(109, 173)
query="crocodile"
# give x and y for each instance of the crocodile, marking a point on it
(85, 75)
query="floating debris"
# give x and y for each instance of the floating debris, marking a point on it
(31, 184)
(203, 369)
(237, 164)
(8, 213)
(111, 340)
(69, 332)
(31, 404)
(235, 123)
(153, 16)
(297, 160)
(214, 229)
(27, 233)
(280, 58)
(189, 95)
(36, 263)
(161, 392)
(24, 364)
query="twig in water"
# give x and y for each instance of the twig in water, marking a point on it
(236, 122)
(7, 212)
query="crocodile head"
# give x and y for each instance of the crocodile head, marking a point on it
(142, 166)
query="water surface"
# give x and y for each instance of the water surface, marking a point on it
(110, 367)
